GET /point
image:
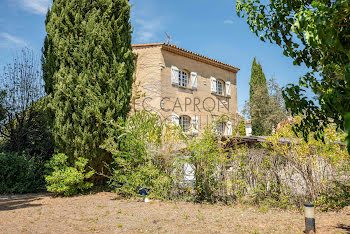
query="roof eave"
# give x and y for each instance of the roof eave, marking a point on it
(189, 54)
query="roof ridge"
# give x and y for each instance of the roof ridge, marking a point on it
(169, 46)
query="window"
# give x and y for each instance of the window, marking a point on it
(185, 122)
(220, 128)
(183, 79)
(219, 87)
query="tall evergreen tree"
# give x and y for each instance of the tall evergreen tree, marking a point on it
(259, 100)
(88, 71)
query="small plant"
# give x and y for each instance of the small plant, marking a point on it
(186, 216)
(67, 180)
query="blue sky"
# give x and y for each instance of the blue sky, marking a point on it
(207, 27)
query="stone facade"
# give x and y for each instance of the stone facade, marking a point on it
(184, 87)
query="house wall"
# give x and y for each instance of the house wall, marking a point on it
(248, 129)
(200, 102)
(148, 78)
(153, 79)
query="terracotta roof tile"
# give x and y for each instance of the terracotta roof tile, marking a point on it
(150, 44)
(186, 53)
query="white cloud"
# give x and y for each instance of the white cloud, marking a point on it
(147, 22)
(36, 6)
(228, 21)
(8, 41)
(146, 30)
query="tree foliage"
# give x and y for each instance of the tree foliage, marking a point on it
(259, 100)
(277, 109)
(23, 116)
(266, 106)
(88, 68)
(315, 33)
(2, 106)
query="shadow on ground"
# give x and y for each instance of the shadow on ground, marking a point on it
(25, 202)
(344, 227)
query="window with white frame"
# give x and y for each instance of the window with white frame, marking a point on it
(219, 87)
(183, 78)
(185, 122)
(220, 128)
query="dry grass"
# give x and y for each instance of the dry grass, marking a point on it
(105, 213)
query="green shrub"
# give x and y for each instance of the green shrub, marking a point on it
(241, 127)
(150, 154)
(65, 179)
(336, 197)
(147, 176)
(20, 173)
(139, 160)
(208, 159)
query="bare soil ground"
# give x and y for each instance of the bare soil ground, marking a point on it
(107, 213)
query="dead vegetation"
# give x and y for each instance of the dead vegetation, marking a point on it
(108, 213)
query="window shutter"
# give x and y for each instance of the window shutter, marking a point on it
(195, 124)
(213, 84)
(194, 80)
(228, 88)
(174, 75)
(229, 128)
(175, 120)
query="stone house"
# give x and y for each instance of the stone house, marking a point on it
(186, 88)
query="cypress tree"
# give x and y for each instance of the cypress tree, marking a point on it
(88, 71)
(259, 100)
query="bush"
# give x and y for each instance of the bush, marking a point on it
(241, 127)
(138, 159)
(153, 155)
(336, 197)
(315, 163)
(67, 180)
(255, 178)
(288, 171)
(208, 159)
(20, 173)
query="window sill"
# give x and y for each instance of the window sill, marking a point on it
(190, 133)
(182, 87)
(221, 95)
